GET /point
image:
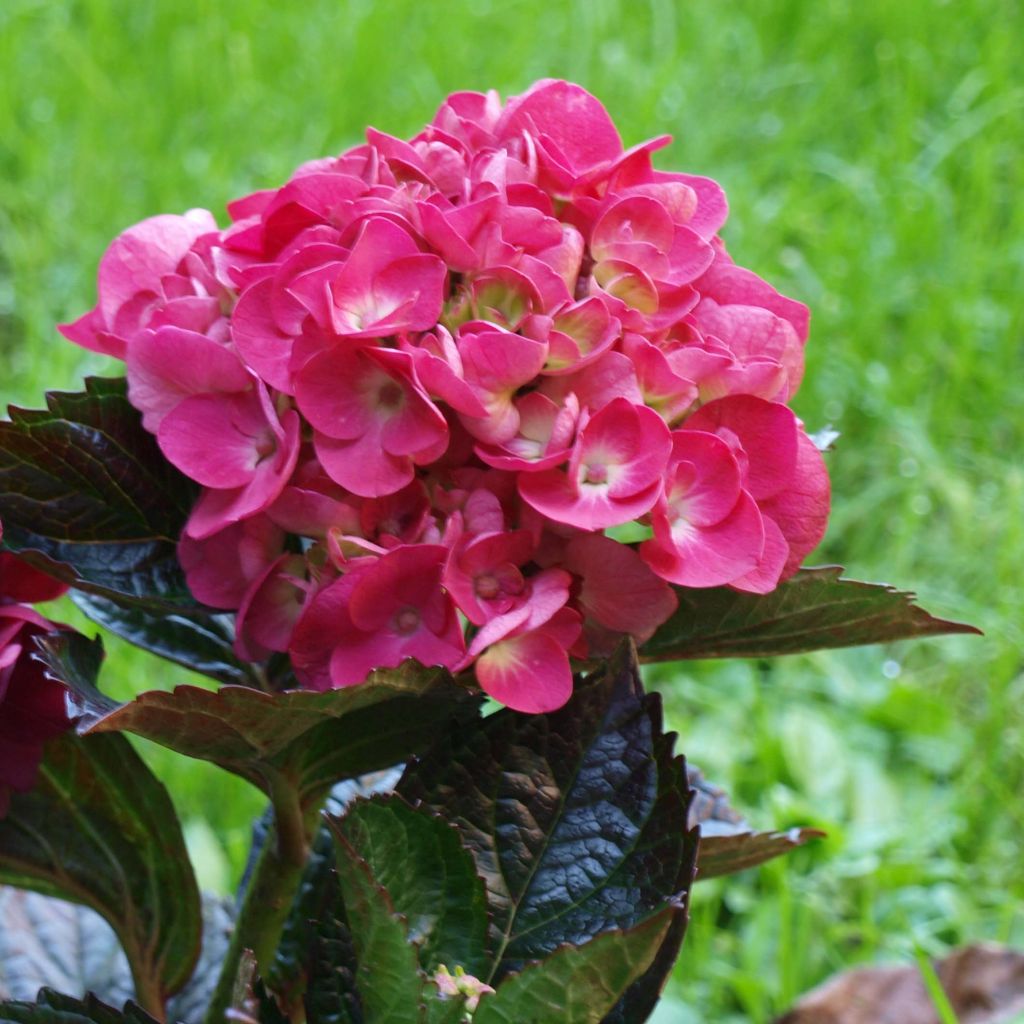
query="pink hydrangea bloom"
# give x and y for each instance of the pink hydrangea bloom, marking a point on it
(419, 381)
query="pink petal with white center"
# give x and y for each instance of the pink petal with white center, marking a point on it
(703, 479)
(407, 295)
(617, 589)
(587, 507)
(764, 434)
(624, 445)
(347, 392)
(528, 673)
(695, 556)
(168, 365)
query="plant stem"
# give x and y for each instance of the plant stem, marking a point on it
(149, 996)
(271, 890)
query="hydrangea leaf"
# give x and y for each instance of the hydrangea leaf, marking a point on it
(331, 996)
(580, 985)
(50, 943)
(53, 1008)
(727, 842)
(86, 494)
(99, 829)
(577, 819)
(201, 643)
(388, 977)
(815, 609)
(437, 1010)
(429, 876)
(727, 854)
(311, 739)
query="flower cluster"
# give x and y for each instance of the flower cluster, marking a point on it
(423, 382)
(32, 706)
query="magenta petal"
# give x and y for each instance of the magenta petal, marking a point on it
(528, 673)
(767, 433)
(568, 115)
(711, 556)
(168, 365)
(362, 466)
(215, 439)
(256, 336)
(618, 589)
(703, 479)
(408, 575)
(140, 256)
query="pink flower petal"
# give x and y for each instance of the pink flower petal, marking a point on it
(528, 673)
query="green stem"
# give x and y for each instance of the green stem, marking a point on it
(271, 891)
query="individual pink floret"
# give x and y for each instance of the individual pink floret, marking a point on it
(373, 423)
(169, 364)
(614, 474)
(483, 573)
(236, 446)
(134, 276)
(376, 616)
(522, 656)
(707, 528)
(386, 285)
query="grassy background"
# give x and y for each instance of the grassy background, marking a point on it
(872, 154)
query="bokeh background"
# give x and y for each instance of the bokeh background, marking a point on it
(872, 153)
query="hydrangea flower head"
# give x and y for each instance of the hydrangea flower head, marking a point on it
(423, 382)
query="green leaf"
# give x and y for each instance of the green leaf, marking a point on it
(436, 1010)
(87, 495)
(429, 876)
(99, 829)
(388, 977)
(815, 609)
(577, 820)
(53, 1008)
(727, 842)
(579, 984)
(310, 739)
(201, 643)
(727, 854)
(331, 996)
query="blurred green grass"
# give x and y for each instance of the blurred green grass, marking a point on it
(872, 155)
